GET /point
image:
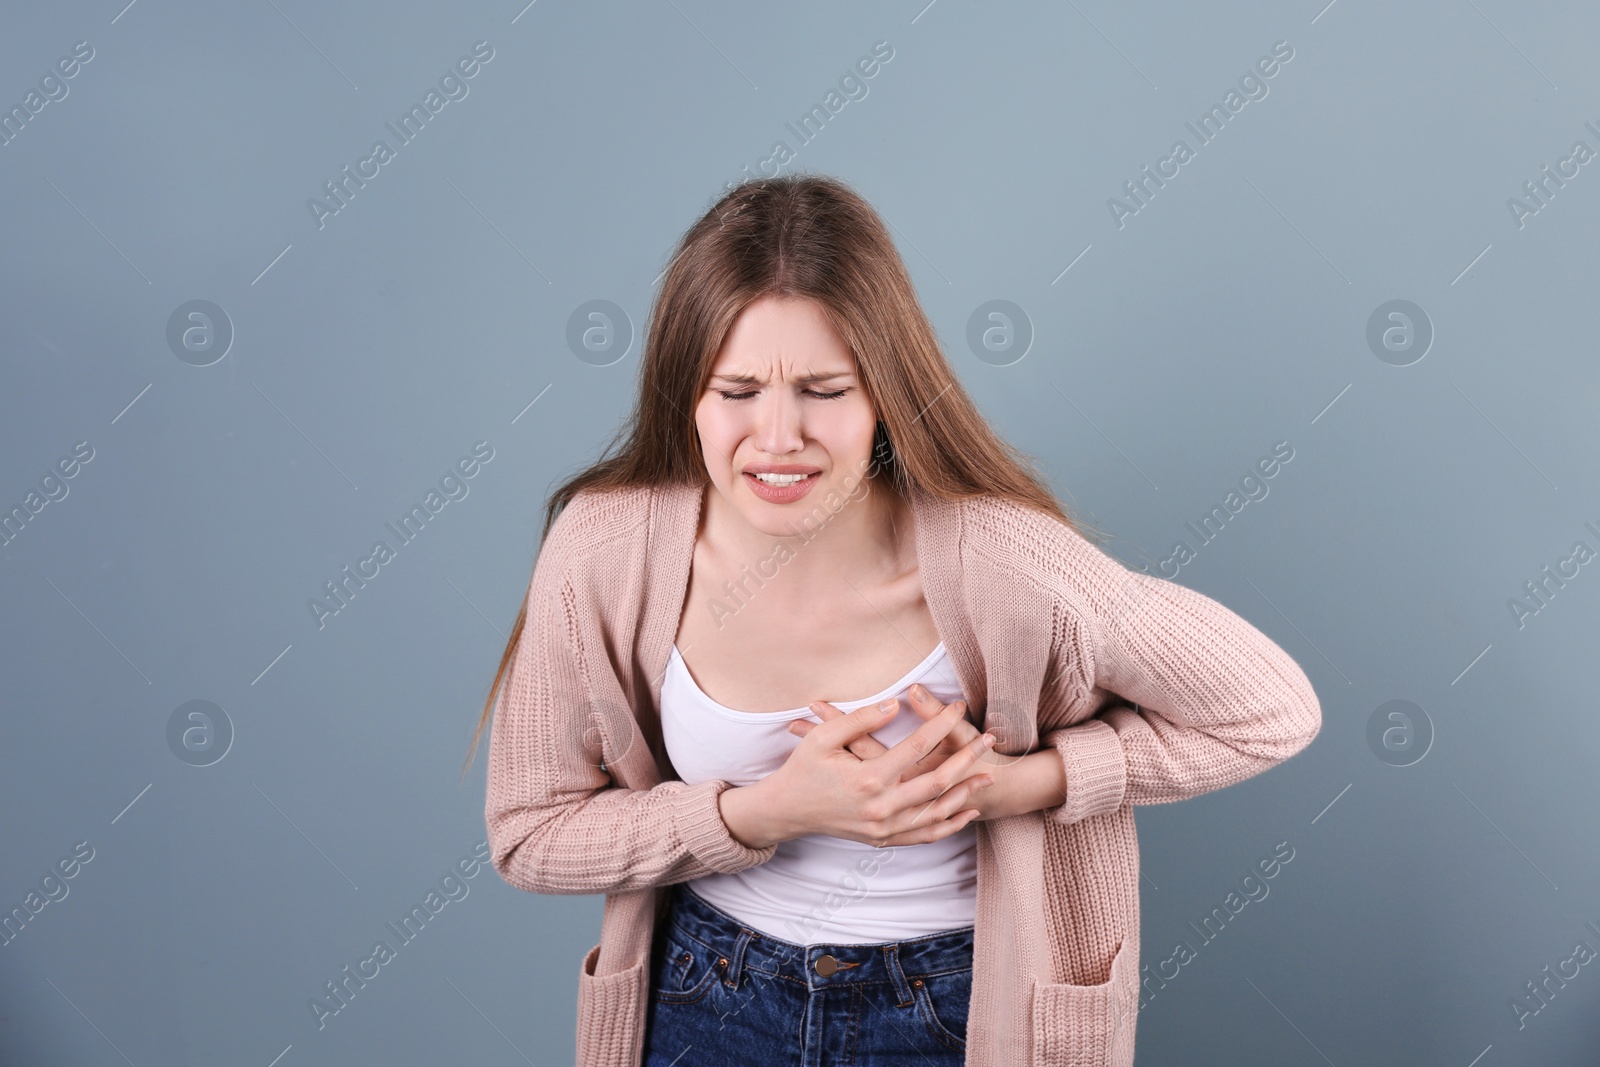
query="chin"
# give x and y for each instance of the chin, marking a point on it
(779, 520)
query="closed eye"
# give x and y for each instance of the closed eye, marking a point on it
(809, 392)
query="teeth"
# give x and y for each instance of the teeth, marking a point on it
(782, 479)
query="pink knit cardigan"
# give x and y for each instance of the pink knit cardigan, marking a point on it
(1149, 691)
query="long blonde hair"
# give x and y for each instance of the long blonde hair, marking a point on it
(806, 236)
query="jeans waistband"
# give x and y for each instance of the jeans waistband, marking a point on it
(891, 961)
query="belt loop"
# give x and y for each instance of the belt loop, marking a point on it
(736, 958)
(902, 988)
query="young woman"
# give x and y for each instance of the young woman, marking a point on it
(792, 386)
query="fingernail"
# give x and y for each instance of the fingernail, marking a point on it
(988, 740)
(888, 705)
(918, 692)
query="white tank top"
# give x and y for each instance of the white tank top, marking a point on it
(819, 888)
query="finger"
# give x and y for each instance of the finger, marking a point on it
(923, 702)
(911, 749)
(950, 802)
(933, 784)
(959, 821)
(963, 732)
(948, 746)
(827, 713)
(846, 727)
(927, 705)
(865, 747)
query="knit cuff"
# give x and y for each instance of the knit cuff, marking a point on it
(699, 825)
(1096, 770)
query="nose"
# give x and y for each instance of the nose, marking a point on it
(778, 424)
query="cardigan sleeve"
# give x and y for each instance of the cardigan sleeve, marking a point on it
(557, 823)
(1189, 696)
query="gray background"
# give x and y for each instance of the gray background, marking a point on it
(1228, 314)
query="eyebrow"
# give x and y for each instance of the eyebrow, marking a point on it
(804, 379)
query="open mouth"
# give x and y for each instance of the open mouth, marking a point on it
(782, 481)
(783, 489)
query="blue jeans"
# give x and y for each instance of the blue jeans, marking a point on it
(720, 993)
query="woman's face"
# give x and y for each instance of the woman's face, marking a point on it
(784, 396)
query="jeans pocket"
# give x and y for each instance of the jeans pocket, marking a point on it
(684, 970)
(942, 1002)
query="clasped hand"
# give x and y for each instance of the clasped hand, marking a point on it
(843, 782)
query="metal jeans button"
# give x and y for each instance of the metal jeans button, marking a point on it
(826, 965)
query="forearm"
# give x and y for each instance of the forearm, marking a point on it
(616, 840)
(749, 818)
(1037, 780)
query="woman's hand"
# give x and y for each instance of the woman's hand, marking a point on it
(902, 795)
(987, 796)
(923, 703)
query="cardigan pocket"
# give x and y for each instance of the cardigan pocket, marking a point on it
(608, 1014)
(1086, 1025)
